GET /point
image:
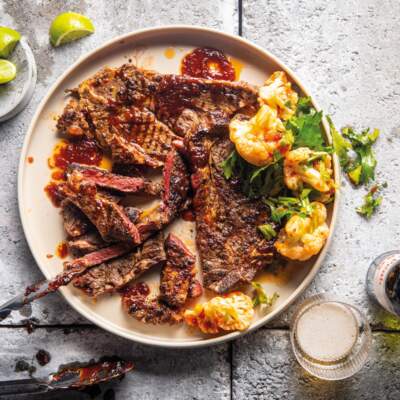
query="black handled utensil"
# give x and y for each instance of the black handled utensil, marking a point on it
(68, 378)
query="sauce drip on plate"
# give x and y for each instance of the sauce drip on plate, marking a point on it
(208, 63)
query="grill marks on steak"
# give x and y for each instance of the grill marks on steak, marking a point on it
(231, 249)
(102, 210)
(176, 285)
(136, 114)
(113, 275)
(178, 275)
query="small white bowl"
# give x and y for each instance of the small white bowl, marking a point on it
(15, 95)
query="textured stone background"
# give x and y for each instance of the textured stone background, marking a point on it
(347, 53)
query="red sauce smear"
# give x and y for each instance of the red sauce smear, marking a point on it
(54, 194)
(83, 151)
(188, 215)
(208, 63)
(62, 250)
(30, 159)
(49, 256)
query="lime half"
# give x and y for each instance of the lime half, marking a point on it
(7, 71)
(68, 27)
(8, 40)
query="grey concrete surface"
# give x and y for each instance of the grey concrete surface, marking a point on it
(347, 53)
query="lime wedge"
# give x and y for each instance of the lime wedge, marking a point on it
(8, 40)
(7, 71)
(68, 27)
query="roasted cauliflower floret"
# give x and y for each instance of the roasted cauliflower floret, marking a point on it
(258, 139)
(305, 166)
(278, 94)
(222, 313)
(303, 237)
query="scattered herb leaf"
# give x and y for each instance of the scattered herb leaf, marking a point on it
(306, 126)
(260, 297)
(267, 230)
(360, 168)
(371, 201)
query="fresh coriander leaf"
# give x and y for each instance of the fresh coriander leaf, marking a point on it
(306, 126)
(228, 165)
(267, 230)
(255, 181)
(361, 167)
(340, 144)
(371, 202)
(260, 297)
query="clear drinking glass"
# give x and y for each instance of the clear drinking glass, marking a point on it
(330, 339)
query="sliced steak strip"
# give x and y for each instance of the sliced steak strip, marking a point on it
(108, 180)
(73, 269)
(231, 248)
(141, 306)
(108, 216)
(86, 243)
(112, 275)
(75, 222)
(175, 191)
(178, 273)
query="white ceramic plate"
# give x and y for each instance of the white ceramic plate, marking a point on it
(42, 222)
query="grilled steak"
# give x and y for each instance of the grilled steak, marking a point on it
(175, 190)
(137, 114)
(86, 243)
(178, 274)
(75, 222)
(107, 180)
(108, 216)
(231, 248)
(141, 306)
(176, 285)
(112, 275)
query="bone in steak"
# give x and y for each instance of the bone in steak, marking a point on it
(178, 275)
(136, 114)
(231, 248)
(107, 180)
(112, 275)
(108, 216)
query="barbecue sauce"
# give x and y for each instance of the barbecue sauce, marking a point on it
(208, 63)
(82, 151)
(93, 373)
(62, 250)
(53, 193)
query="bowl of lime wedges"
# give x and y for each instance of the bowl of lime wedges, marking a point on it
(17, 73)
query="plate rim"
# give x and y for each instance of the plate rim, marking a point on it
(142, 338)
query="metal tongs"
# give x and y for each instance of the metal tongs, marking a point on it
(67, 378)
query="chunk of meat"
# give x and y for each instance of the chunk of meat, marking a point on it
(105, 179)
(137, 114)
(86, 243)
(75, 222)
(231, 248)
(141, 306)
(104, 212)
(113, 275)
(175, 191)
(178, 273)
